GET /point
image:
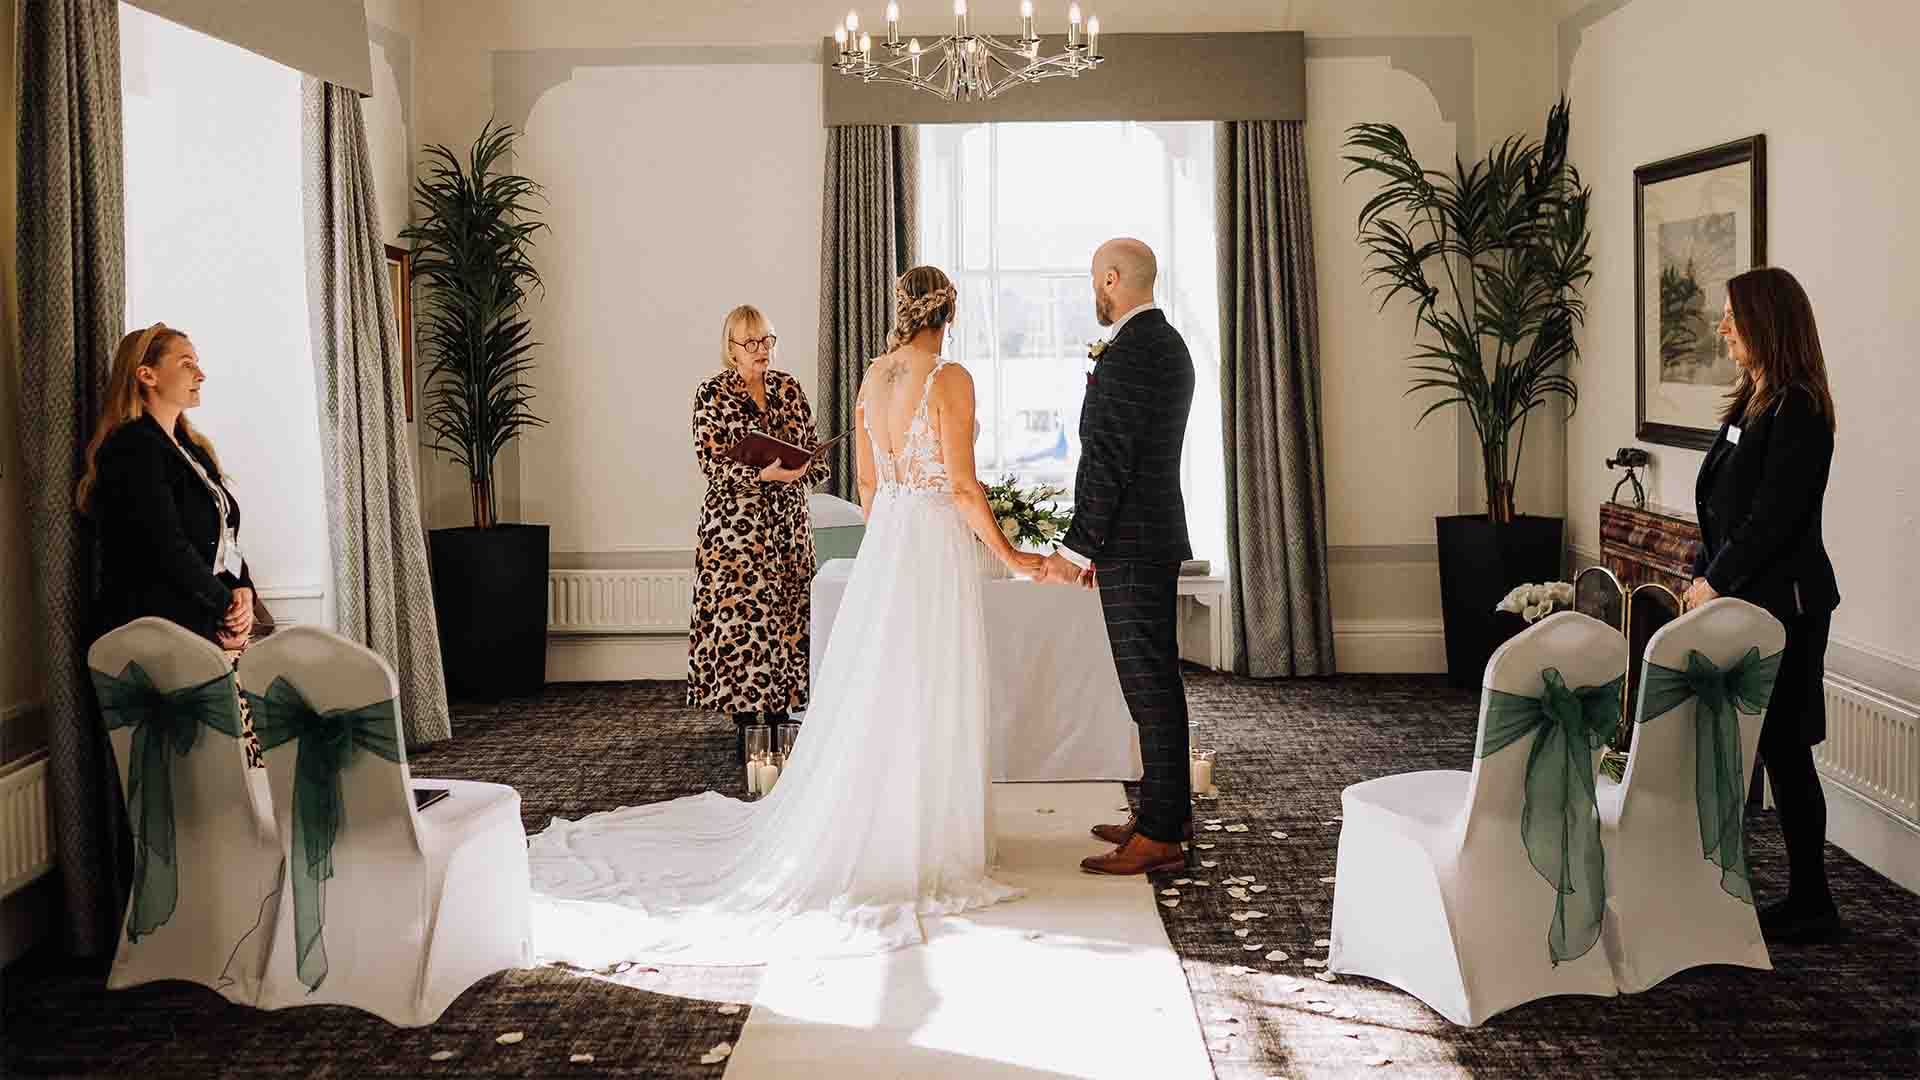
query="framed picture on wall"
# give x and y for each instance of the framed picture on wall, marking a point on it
(1699, 219)
(400, 284)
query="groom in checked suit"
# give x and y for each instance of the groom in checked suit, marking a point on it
(1128, 538)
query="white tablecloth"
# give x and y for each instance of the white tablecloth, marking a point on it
(1056, 708)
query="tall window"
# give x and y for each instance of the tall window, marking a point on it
(1013, 212)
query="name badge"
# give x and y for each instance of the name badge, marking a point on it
(1733, 434)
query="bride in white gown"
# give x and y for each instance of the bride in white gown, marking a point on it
(883, 813)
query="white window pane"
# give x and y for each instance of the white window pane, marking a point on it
(1026, 205)
(976, 197)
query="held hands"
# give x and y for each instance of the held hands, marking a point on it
(1698, 593)
(1027, 564)
(776, 474)
(1060, 570)
(237, 625)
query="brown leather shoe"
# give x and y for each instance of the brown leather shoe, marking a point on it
(1139, 855)
(1118, 835)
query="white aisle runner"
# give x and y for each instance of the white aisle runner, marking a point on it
(1077, 978)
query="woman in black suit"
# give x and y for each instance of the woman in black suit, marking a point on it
(169, 529)
(1759, 498)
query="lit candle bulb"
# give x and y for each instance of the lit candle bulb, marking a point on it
(866, 46)
(853, 22)
(913, 53)
(840, 37)
(893, 23)
(1093, 35)
(1026, 20)
(1073, 25)
(959, 18)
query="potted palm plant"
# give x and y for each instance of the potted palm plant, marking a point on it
(1492, 258)
(472, 246)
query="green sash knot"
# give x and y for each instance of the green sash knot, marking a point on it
(327, 743)
(166, 725)
(1719, 782)
(1560, 822)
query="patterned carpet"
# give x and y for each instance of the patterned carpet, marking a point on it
(1286, 750)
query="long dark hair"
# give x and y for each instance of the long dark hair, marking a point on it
(1775, 319)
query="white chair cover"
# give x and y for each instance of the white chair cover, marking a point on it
(421, 904)
(1666, 908)
(226, 857)
(1434, 891)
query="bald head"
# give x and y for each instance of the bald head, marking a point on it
(1124, 270)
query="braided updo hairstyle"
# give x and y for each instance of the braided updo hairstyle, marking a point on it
(923, 299)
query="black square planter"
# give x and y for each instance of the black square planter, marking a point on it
(490, 601)
(1479, 563)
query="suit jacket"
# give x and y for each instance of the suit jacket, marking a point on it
(1759, 501)
(1127, 505)
(158, 529)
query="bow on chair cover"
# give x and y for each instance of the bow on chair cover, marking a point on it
(1560, 823)
(326, 744)
(166, 724)
(1719, 783)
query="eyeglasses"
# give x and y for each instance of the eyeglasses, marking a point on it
(765, 344)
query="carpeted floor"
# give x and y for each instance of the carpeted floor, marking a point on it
(1286, 748)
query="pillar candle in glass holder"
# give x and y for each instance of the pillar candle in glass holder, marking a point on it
(768, 773)
(785, 735)
(759, 753)
(1200, 770)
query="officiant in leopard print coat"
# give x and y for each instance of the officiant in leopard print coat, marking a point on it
(754, 562)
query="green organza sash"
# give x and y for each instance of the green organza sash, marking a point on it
(326, 744)
(1719, 783)
(166, 725)
(1560, 822)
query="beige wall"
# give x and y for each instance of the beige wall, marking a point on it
(19, 643)
(1834, 97)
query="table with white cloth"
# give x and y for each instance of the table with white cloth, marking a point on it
(1055, 708)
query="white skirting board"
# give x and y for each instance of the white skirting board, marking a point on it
(1389, 646)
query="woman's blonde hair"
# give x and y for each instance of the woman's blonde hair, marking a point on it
(126, 402)
(923, 299)
(749, 317)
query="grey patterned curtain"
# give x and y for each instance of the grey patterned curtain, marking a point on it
(72, 259)
(869, 225)
(383, 597)
(1270, 403)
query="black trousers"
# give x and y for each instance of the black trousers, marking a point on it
(1797, 722)
(1139, 601)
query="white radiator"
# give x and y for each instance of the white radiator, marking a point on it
(26, 833)
(619, 601)
(1873, 746)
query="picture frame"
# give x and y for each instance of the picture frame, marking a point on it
(1699, 219)
(400, 284)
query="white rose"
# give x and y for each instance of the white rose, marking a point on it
(1563, 593)
(1513, 601)
(1009, 529)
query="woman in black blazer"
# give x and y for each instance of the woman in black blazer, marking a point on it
(167, 525)
(1759, 498)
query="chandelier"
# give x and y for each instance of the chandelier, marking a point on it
(965, 66)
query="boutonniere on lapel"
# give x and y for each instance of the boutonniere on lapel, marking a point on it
(1094, 350)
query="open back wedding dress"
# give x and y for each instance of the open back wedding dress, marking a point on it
(881, 816)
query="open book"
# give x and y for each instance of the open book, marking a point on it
(759, 450)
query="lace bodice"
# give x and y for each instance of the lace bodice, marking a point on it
(920, 466)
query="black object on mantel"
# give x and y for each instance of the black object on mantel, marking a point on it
(1480, 562)
(490, 601)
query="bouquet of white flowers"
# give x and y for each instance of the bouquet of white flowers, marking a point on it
(1027, 515)
(1536, 602)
